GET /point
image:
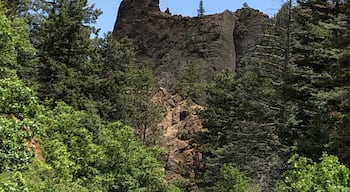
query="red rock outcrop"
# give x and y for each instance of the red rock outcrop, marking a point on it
(181, 119)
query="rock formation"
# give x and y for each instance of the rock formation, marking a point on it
(180, 119)
(170, 43)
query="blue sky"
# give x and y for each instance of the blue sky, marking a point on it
(184, 7)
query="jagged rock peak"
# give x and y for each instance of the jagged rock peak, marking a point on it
(170, 44)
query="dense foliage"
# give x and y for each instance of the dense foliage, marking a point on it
(47, 145)
(75, 110)
(289, 96)
(305, 175)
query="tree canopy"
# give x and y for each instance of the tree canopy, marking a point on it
(76, 110)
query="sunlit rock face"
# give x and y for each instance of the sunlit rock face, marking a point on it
(181, 118)
(170, 43)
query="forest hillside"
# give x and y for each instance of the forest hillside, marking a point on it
(231, 102)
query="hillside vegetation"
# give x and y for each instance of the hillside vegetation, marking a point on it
(76, 110)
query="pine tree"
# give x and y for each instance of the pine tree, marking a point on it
(201, 9)
(312, 86)
(241, 129)
(124, 88)
(114, 63)
(247, 111)
(64, 51)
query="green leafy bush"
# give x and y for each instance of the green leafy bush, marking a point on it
(232, 180)
(304, 175)
(15, 97)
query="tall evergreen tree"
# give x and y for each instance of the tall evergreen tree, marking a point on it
(241, 129)
(64, 50)
(312, 87)
(124, 87)
(201, 9)
(246, 113)
(113, 61)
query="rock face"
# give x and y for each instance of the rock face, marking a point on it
(250, 25)
(181, 119)
(171, 43)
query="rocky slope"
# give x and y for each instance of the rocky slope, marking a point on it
(170, 43)
(181, 119)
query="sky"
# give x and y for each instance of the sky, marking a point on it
(183, 7)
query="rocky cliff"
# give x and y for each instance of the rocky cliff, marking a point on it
(170, 43)
(181, 119)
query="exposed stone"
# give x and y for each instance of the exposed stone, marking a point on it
(249, 26)
(34, 146)
(171, 43)
(180, 155)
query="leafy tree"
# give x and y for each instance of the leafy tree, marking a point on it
(38, 177)
(68, 143)
(305, 175)
(14, 154)
(18, 104)
(80, 148)
(232, 180)
(12, 182)
(17, 101)
(81, 152)
(16, 98)
(126, 164)
(13, 35)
